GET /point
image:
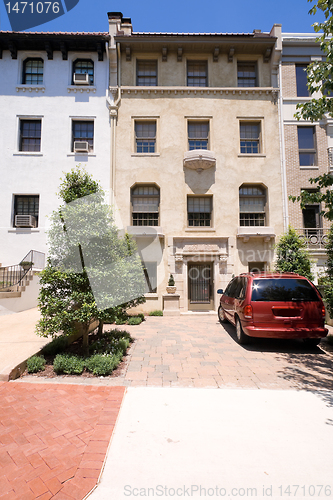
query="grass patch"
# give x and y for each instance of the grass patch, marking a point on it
(158, 312)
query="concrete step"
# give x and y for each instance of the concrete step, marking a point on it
(9, 295)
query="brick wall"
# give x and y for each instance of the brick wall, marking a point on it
(298, 178)
(289, 80)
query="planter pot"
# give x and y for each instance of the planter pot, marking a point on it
(171, 289)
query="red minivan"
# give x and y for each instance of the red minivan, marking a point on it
(282, 306)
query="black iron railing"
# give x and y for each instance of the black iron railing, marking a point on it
(11, 276)
(315, 238)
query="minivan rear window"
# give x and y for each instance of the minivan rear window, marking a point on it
(280, 290)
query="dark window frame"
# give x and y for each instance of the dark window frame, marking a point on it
(311, 151)
(30, 137)
(145, 218)
(146, 80)
(247, 80)
(253, 218)
(25, 73)
(200, 218)
(248, 144)
(31, 202)
(142, 142)
(194, 80)
(83, 71)
(301, 80)
(86, 137)
(197, 142)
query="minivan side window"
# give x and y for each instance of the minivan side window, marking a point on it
(229, 287)
(234, 288)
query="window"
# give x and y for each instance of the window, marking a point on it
(197, 74)
(198, 135)
(247, 74)
(199, 211)
(150, 272)
(249, 138)
(301, 80)
(26, 205)
(145, 205)
(306, 146)
(83, 132)
(30, 135)
(252, 201)
(146, 73)
(33, 71)
(83, 67)
(145, 137)
(311, 215)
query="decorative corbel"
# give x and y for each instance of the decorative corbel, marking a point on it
(13, 50)
(216, 54)
(100, 51)
(267, 55)
(180, 54)
(128, 53)
(164, 54)
(275, 95)
(49, 51)
(231, 54)
(64, 51)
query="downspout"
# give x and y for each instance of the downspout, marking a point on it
(283, 156)
(113, 110)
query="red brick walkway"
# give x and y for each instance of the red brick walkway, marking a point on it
(54, 438)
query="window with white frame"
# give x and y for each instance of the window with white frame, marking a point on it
(197, 74)
(252, 205)
(145, 136)
(30, 135)
(146, 73)
(198, 134)
(33, 70)
(145, 205)
(199, 211)
(250, 137)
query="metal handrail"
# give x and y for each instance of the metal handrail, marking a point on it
(316, 237)
(11, 276)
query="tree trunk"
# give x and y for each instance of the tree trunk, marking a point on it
(85, 339)
(100, 328)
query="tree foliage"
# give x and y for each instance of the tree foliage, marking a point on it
(92, 272)
(292, 256)
(327, 279)
(319, 75)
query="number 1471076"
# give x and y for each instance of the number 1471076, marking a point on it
(33, 7)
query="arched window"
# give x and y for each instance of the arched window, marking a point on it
(145, 205)
(83, 67)
(33, 71)
(252, 205)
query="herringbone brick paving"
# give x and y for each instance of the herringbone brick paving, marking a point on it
(54, 438)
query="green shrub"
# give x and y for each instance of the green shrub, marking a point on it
(69, 364)
(134, 320)
(57, 345)
(35, 364)
(158, 312)
(123, 345)
(120, 321)
(142, 316)
(101, 365)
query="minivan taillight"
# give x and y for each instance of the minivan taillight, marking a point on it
(323, 312)
(248, 312)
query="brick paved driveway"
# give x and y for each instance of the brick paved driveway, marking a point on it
(196, 351)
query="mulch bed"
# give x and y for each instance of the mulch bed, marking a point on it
(76, 348)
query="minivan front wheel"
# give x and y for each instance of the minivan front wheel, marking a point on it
(241, 337)
(221, 315)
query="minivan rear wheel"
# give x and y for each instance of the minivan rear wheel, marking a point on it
(221, 315)
(241, 337)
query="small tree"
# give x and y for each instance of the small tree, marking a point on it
(91, 271)
(292, 256)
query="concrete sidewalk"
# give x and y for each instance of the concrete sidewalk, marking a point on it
(220, 443)
(18, 341)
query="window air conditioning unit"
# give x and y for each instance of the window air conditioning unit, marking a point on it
(81, 146)
(81, 79)
(25, 221)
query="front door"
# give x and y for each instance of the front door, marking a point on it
(200, 287)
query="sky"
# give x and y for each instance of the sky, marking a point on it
(194, 16)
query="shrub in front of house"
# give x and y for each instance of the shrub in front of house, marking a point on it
(68, 364)
(158, 312)
(35, 364)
